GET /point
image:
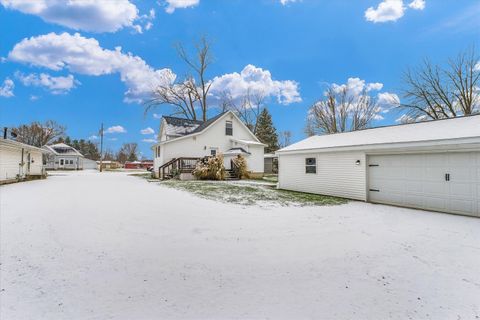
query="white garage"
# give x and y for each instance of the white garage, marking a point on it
(433, 165)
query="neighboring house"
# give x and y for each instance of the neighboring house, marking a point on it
(63, 157)
(109, 165)
(19, 161)
(271, 163)
(144, 164)
(184, 141)
(432, 165)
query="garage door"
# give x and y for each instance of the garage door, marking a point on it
(448, 182)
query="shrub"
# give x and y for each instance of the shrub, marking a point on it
(210, 168)
(240, 168)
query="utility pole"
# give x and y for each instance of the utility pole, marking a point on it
(101, 148)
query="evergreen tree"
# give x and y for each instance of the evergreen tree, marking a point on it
(266, 132)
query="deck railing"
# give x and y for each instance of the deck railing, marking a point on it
(177, 166)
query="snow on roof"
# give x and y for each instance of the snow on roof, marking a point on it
(16, 144)
(248, 142)
(179, 126)
(63, 149)
(182, 127)
(269, 155)
(237, 150)
(447, 129)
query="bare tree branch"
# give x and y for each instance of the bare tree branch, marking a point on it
(434, 92)
(340, 111)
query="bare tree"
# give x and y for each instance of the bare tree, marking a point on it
(39, 134)
(247, 107)
(342, 110)
(128, 152)
(285, 138)
(435, 92)
(188, 95)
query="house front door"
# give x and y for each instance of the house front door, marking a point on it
(61, 163)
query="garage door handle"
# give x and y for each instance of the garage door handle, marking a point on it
(447, 176)
(375, 190)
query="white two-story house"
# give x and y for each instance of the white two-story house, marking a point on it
(190, 140)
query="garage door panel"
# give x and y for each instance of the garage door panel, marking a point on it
(462, 206)
(421, 181)
(433, 203)
(414, 173)
(462, 190)
(413, 186)
(434, 173)
(461, 174)
(414, 201)
(435, 188)
(434, 160)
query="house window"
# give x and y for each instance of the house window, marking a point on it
(310, 165)
(213, 152)
(229, 128)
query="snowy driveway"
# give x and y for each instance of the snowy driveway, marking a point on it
(111, 246)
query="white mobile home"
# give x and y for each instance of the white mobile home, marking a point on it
(19, 161)
(432, 165)
(192, 139)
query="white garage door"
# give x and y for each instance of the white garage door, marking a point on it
(448, 182)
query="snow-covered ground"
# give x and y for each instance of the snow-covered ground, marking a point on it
(110, 246)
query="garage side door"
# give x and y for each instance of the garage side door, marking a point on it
(448, 182)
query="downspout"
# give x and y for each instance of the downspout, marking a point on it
(20, 168)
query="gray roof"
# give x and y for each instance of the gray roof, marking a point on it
(183, 127)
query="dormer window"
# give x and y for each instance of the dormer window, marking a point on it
(229, 128)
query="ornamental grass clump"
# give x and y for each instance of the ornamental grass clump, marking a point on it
(210, 168)
(240, 167)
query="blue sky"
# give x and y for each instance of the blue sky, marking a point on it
(295, 47)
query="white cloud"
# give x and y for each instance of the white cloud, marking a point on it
(179, 4)
(477, 67)
(285, 2)
(391, 10)
(157, 116)
(87, 15)
(356, 86)
(85, 56)
(56, 85)
(34, 98)
(388, 10)
(116, 129)
(417, 4)
(256, 81)
(149, 140)
(388, 100)
(6, 90)
(93, 137)
(147, 131)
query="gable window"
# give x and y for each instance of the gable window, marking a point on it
(310, 165)
(229, 128)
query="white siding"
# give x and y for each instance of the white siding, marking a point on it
(10, 159)
(212, 137)
(337, 174)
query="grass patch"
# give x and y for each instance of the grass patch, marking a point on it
(144, 175)
(246, 194)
